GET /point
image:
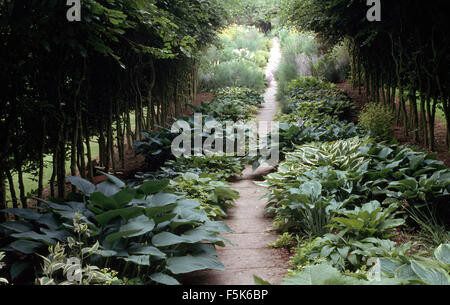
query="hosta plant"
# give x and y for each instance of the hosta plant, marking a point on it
(140, 230)
(214, 196)
(222, 167)
(420, 270)
(2, 280)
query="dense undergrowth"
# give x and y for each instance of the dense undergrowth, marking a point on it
(238, 60)
(346, 196)
(148, 230)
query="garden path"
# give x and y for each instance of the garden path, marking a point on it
(252, 230)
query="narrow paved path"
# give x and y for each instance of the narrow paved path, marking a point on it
(252, 230)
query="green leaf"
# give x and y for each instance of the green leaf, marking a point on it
(405, 272)
(187, 264)
(389, 265)
(17, 268)
(442, 253)
(123, 197)
(100, 200)
(162, 199)
(147, 250)
(260, 281)
(86, 187)
(114, 180)
(164, 239)
(152, 187)
(35, 236)
(143, 260)
(126, 213)
(26, 246)
(164, 279)
(349, 223)
(313, 275)
(17, 226)
(23, 213)
(142, 224)
(430, 275)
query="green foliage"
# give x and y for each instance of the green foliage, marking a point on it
(420, 270)
(284, 241)
(404, 53)
(223, 168)
(298, 51)
(315, 113)
(378, 120)
(79, 81)
(431, 230)
(214, 196)
(239, 62)
(252, 12)
(138, 228)
(57, 268)
(334, 66)
(325, 274)
(2, 280)
(232, 104)
(155, 147)
(369, 220)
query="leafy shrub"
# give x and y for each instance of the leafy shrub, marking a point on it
(420, 270)
(137, 228)
(378, 120)
(2, 280)
(155, 147)
(298, 51)
(284, 241)
(214, 196)
(57, 267)
(240, 73)
(345, 250)
(333, 67)
(239, 61)
(325, 274)
(223, 168)
(232, 104)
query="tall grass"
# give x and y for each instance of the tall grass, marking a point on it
(238, 60)
(300, 51)
(301, 57)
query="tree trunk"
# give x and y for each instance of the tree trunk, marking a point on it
(12, 189)
(2, 196)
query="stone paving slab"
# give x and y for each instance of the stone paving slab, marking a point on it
(252, 230)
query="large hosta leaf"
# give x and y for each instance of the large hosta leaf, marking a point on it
(114, 180)
(162, 199)
(164, 239)
(135, 227)
(23, 213)
(146, 250)
(314, 275)
(186, 264)
(17, 226)
(84, 186)
(431, 275)
(442, 253)
(152, 187)
(164, 279)
(35, 236)
(143, 260)
(26, 246)
(126, 213)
